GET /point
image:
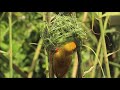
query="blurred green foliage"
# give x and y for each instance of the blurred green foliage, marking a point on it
(26, 30)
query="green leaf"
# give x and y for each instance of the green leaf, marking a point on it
(111, 14)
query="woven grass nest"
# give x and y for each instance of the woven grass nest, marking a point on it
(61, 30)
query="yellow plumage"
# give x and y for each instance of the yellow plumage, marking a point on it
(62, 59)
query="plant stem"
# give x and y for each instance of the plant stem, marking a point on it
(0, 29)
(85, 17)
(2, 16)
(51, 73)
(104, 47)
(10, 43)
(35, 58)
(101, 57)
(75, 64)
(46, 64)
(96, 57)
(114, 64)
(78, 44)
(0, 39)
(79, 72)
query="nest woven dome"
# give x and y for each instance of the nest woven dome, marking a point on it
(61, 30)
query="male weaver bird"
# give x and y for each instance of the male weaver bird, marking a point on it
(62, 59)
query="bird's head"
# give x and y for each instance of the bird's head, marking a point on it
(70, 47)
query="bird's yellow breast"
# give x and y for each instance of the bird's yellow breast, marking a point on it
(62, 59)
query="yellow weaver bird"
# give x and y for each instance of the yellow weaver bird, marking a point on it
(62, 59)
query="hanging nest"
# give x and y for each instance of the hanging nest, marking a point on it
(61, 30)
